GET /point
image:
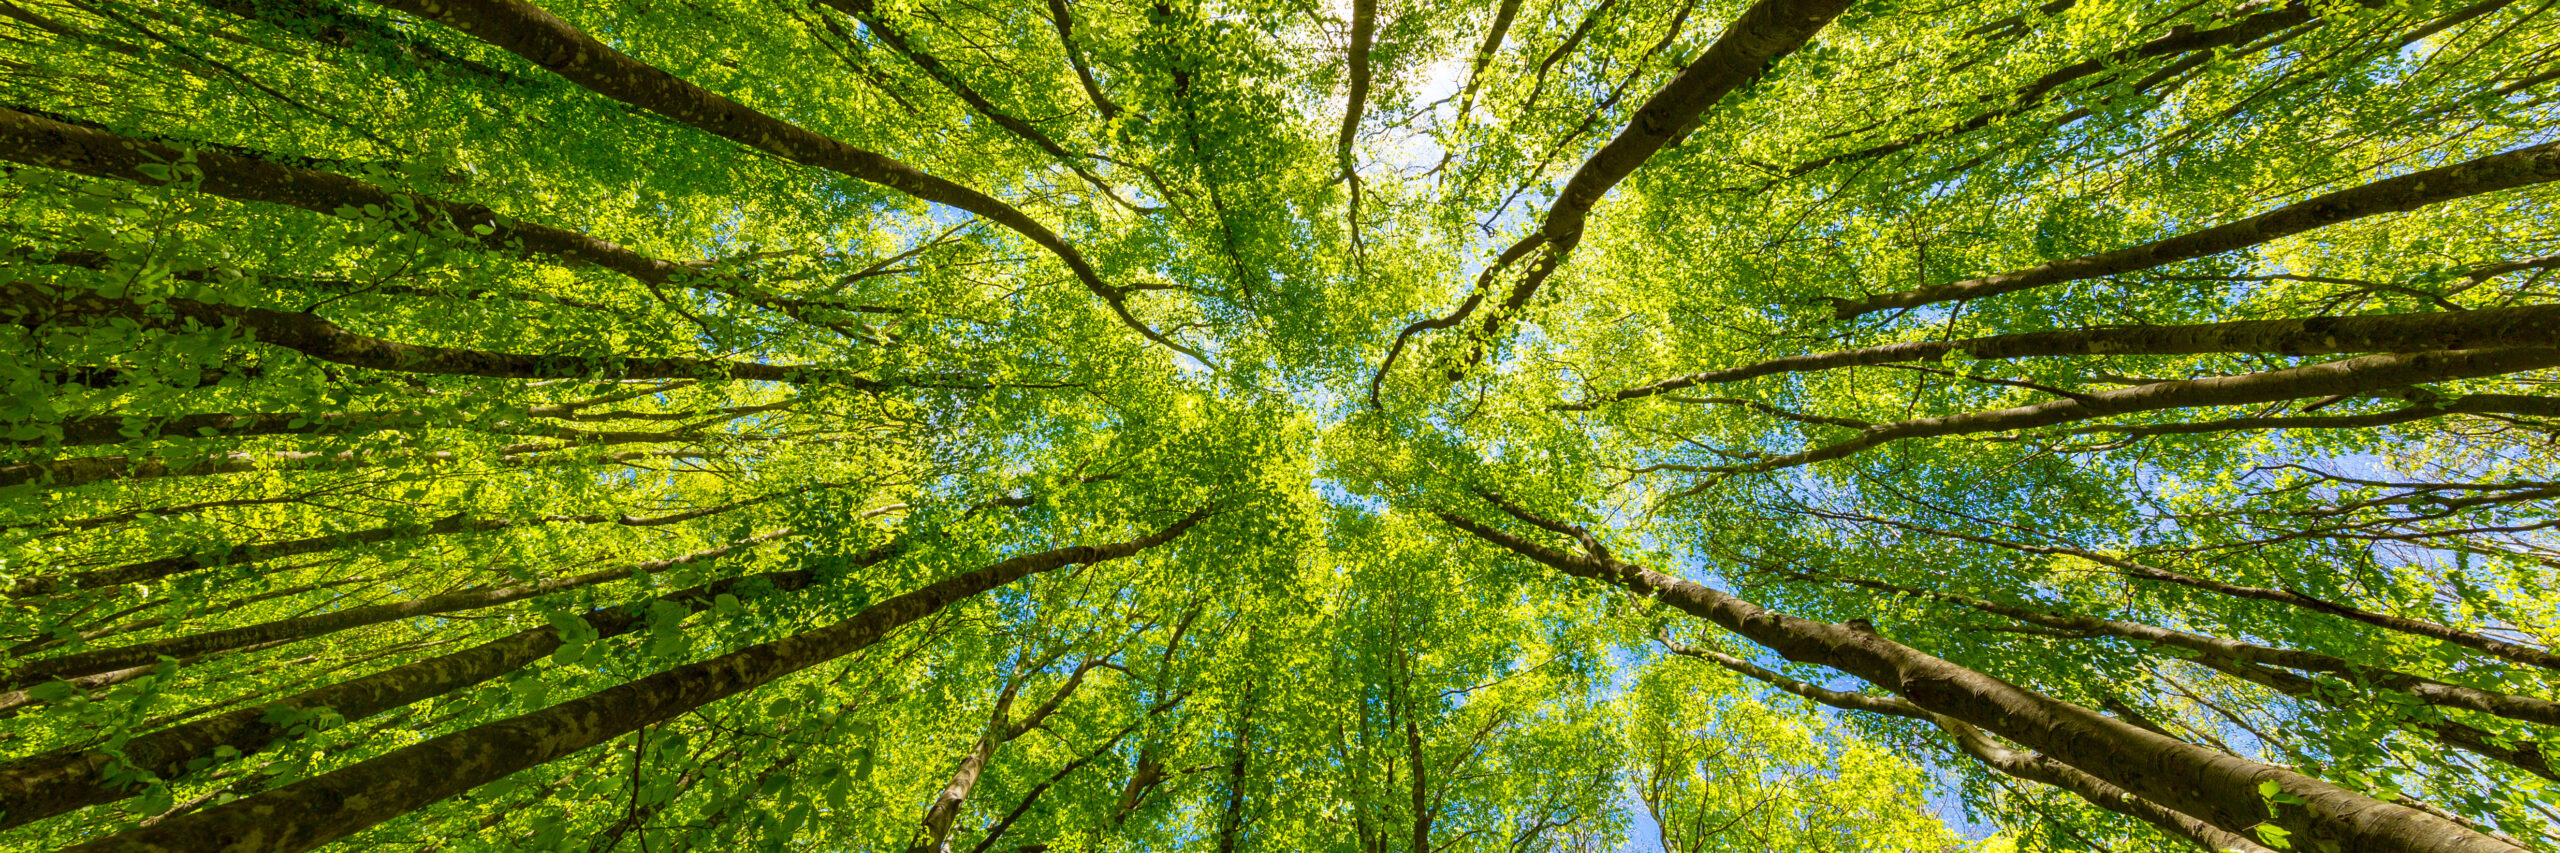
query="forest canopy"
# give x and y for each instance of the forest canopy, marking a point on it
(1001, 426)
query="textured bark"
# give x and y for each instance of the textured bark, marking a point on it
(545, 40)
(1420, 790)
(88, 685)
(2485, 328)
(112, 430)
(1364, 31)
(2212, 786)
(306, 627)
(2001, 758)
(1001, 729)
(2349, 377)
(2522, 167)
(2038, 768)
(52, 783)
(322, 809)
(954, 794)
(1231, 818)
(316, 336)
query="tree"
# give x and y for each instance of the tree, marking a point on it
(1468, 426)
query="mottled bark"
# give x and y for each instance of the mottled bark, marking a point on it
(52, 783)
(1001, 729)
(306, 627)
(1999, 757)
(2447, 330)
(1231, 818)
(2338, 378)
(2522, 167)
(322, 809)
(1364, 31)
(316, 336)
(545, 40)
(81, 432)
(1420, 789)
(2212, 786)
(14, 701)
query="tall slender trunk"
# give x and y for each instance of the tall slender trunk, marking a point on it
(48, 784)
(2486, 328)
(2218, 788)
(2351, 376)
(2024, 765)
(325, 808)
(2522, 167)
(315, 336)
(321, 624)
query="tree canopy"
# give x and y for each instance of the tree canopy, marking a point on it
(1229, 425)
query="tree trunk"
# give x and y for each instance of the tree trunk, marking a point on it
(2218, 788)
(322, 809)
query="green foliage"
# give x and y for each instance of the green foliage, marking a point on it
(252, 511)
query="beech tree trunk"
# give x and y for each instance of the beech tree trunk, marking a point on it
(2522, 167)
(322, 809)
(2485, 328)
(2218, 788)
(48, 784)
(2352, 376)
(2024, 765)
